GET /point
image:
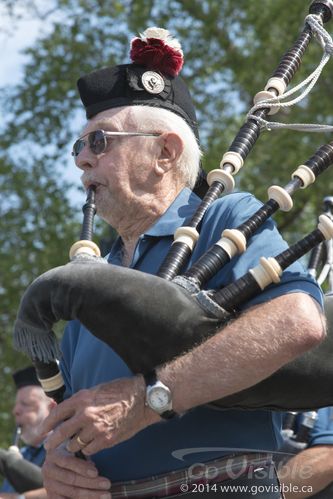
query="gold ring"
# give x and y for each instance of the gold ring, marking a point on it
(81, 442)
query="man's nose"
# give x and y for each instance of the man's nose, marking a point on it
(85, 159)
(16, 410)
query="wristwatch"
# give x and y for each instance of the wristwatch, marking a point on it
(158, 396)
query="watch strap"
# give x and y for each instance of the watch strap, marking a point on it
(150, 378)
(168, 414)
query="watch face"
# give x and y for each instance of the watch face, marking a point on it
(159, 398)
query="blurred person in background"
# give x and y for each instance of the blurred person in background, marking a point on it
(21, 468)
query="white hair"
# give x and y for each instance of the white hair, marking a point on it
(153, 119)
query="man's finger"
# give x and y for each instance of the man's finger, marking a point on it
(65, 431)
(67, 477)
(63, 459)
(59, 489)
(53, 473)
(59, 414)
(78, 443)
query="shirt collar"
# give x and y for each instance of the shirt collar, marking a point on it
(181, 209)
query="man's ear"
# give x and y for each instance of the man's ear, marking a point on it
(172, 147)
(52, 404)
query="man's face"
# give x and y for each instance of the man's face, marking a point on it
(30, 409)
(123, 174)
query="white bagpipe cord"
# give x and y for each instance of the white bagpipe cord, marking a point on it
(276, 103)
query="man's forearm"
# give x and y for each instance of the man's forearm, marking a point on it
(308, 472)
(246, 351)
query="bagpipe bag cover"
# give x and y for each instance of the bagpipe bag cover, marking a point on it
(21, 474)
(148, 321)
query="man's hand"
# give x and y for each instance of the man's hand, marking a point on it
(66, 476)
(101, 417)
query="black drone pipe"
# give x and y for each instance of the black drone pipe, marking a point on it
(221, 181)
(89, 211)
(234, 240)
(242, 290)
(316, 259)
(48, 373)
(319, 254)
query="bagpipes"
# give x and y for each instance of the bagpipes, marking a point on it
(149, 320)
(20, 473)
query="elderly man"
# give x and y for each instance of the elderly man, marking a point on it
(140, 151)
(22, 469)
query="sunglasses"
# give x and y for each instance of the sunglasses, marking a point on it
(97, 140)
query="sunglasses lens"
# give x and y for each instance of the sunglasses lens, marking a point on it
(97, 141)
(77, 147)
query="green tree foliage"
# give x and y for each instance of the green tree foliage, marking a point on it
(231, 49)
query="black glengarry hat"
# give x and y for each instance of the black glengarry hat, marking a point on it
(152, 79)
(25, 377)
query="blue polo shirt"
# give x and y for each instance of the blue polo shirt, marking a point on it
(322, 432)
(204, 433)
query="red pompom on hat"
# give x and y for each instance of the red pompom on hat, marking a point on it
(151, 79)
(156, 49)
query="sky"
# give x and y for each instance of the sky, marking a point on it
(12, 43)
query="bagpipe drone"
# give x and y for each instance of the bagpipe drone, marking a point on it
(157, 318)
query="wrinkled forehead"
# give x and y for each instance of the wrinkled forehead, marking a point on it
(29, 394)
(116, 119)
